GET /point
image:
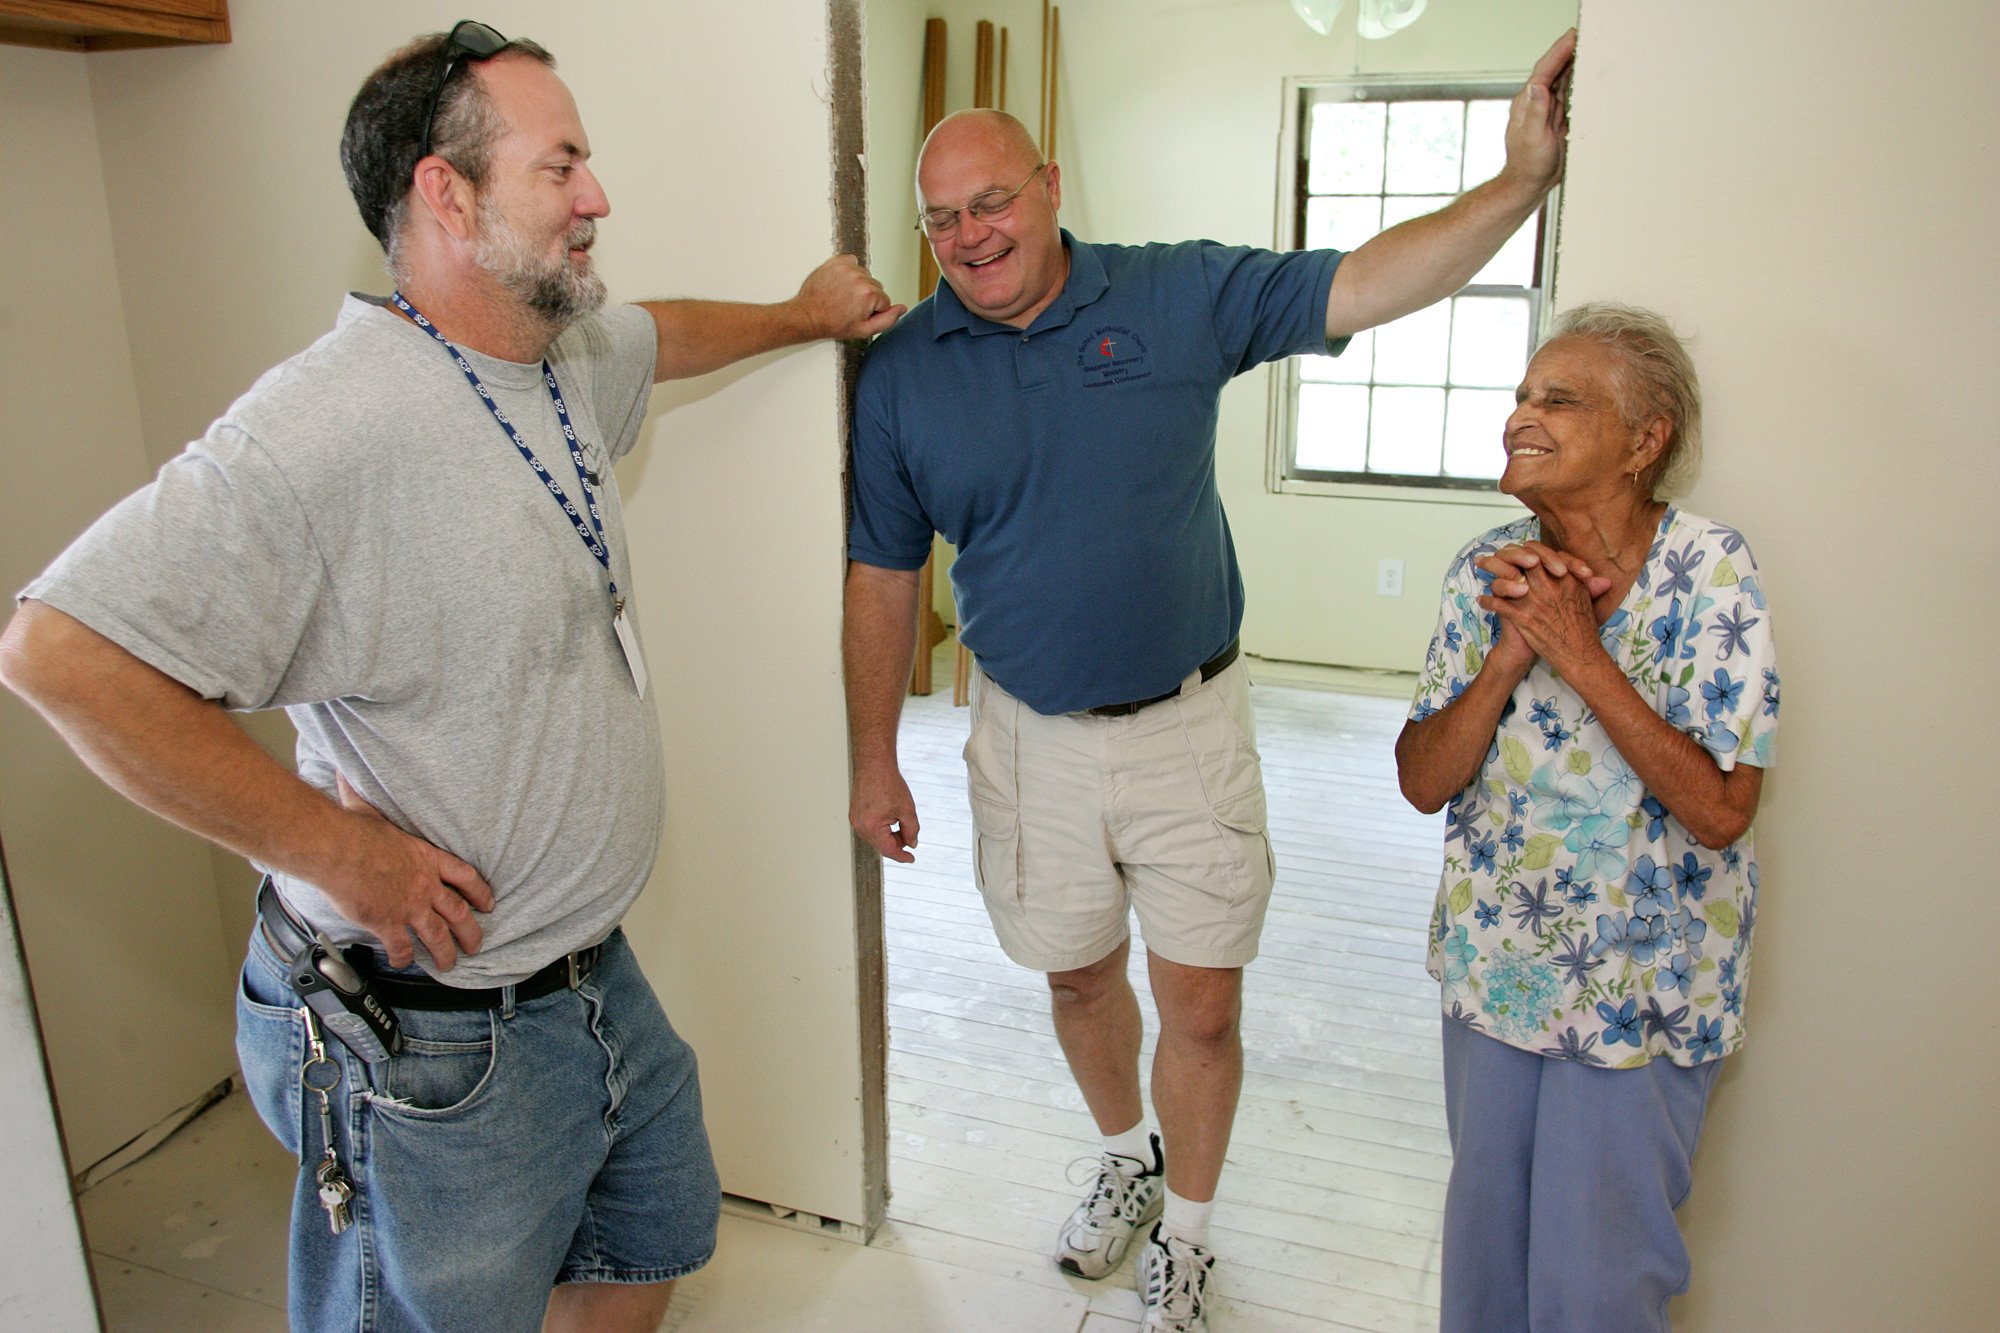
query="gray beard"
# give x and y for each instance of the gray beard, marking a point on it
(554, 291)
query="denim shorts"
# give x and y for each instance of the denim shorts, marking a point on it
(503, 1152)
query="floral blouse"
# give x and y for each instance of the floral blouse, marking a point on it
(1576, 917)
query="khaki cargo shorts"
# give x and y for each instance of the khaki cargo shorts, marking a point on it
(1079, 818)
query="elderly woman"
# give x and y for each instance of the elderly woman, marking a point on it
(1598, 708)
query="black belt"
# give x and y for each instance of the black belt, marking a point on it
(288, 937)
(1210, 669)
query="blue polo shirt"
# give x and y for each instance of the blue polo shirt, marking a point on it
(1073, 463)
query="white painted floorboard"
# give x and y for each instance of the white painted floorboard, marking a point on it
(1328, 1214)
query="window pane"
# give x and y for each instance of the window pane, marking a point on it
(1401, 208)
(1350, 367)
(1407, 432)
(1474, 419)
(1514, 265)
(1489, 340)
(1339, 223)
(1413, 349)
(1485, 141)
(1333, 427)
(1425, 147)
(1344, 152)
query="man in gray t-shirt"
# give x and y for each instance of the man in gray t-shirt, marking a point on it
(409, 537)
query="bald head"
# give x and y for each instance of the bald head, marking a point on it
(983, 137)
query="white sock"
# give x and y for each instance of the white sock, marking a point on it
(1186, 1218)
(1135, 1144)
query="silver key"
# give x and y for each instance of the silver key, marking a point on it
(335, 1194)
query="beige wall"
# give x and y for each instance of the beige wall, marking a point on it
(1169, 122)
(234, 239)
(117, 911)
(1810, 189)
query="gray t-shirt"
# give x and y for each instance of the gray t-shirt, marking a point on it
(357, 541)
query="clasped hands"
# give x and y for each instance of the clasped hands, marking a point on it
(1546, 602)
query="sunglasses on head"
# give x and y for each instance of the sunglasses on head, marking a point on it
(469, 40)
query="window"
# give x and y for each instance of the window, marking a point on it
(1420, 401)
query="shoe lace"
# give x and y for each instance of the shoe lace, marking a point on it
(1113, 1194)
(1174, 1284)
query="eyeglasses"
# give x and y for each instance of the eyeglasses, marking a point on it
(469, 40)
(986, 207)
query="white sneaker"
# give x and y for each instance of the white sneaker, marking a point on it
(1094, 1239)
(1173, 1279)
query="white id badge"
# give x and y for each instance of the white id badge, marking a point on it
(635, 661)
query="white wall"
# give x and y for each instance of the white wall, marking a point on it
(1810, 188)
(117, 911)
(234, 240)
(1169, 117)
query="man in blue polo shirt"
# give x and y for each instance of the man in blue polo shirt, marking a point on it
(1052, 411)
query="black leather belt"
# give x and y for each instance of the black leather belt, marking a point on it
(1210, 669)
(288, 937)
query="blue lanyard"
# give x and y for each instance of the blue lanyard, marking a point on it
(593, 535)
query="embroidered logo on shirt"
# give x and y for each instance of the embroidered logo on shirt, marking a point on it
(1112, 354)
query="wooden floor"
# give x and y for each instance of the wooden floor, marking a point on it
(1328, 1213)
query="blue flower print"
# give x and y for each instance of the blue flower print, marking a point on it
(1456, 823)
(1732, 856)
(1422, 710)
(1666, 630)
(1457, 688)
(1633, 936)
(1464, 1017)
(1656, 818)
(1599, 843)
(1513, 839)
(1622, 787)
(1677, 706)
(1488, 914)
(1731, 629)
(1689, 930)
(1517, 801)
(1481, 848)
(1569, 1046)
(1458, 955)
(1452, 638)
(1520, 994)
(1719, 739)
(1544, 712)
(1681, 566)
(1651, 886)
(1732, 540)
(1706, 1043)
(1660, 1023)
(1727, 973)
(1750, 588)
(1770, 692)
(1678, 974)
(1721, 693)
(1691, 876)
(1732, 999)
(1576, 960)
(1553, 737)
(1534, 910)
(1562, 798)
(1581, 893)
(1620, 1024)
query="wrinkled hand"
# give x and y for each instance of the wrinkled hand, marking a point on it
(884, 813)
(1538, 120)
(1509, 566)
(840, 299)
(395, 886)
(1554, 617)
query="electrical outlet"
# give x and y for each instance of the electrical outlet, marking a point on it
(1389, 578)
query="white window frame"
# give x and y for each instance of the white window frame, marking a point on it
(1299, 93)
